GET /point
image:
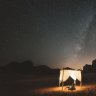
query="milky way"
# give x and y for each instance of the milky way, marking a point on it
(56, 33)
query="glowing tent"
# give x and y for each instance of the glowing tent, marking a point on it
(74, 74)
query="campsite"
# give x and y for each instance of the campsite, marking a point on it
(47, 47)
(43, 83)
(41, 86)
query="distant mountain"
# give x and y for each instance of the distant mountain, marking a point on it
(27, 67)
(90, 68)
(87, 68)
(23, 67)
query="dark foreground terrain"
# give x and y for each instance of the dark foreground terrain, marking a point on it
(36, 85)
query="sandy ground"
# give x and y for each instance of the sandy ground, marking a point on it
(65, 89)
(24, 85)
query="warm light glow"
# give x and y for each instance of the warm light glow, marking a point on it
(65, 89)
(65, 74)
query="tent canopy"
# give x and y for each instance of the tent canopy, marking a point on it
(74, 74)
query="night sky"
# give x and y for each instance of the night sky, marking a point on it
(56, 33)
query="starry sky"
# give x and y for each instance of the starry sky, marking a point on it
(57, 33)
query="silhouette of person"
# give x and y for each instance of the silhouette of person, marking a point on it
(72, 87)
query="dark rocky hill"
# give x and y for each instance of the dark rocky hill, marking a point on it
(90, 68)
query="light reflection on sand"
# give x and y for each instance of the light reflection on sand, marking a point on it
(65, 89)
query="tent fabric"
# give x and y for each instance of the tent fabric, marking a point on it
(74, 74)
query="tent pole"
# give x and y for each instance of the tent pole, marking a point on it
(81, 83)
(81, 80)
(59, 83)
(62, 80)
(75, 82)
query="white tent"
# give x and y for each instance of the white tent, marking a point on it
(74, 74)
